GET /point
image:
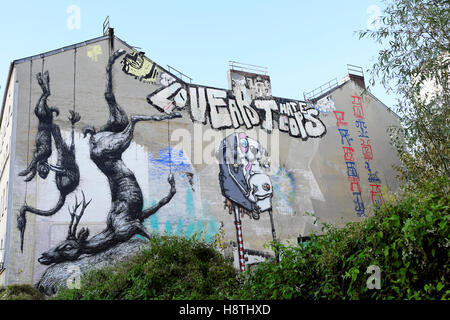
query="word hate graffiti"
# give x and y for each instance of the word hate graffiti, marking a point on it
(226, 109)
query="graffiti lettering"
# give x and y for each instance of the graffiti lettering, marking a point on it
(357, 107)
(226, 109)
(359, 205)
(345, 135)
(340, 118)
(362, 127)
(352, 173)
(366, 148)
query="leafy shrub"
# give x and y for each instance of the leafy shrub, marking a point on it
(168, 268)
(407, 239)
(20, 292)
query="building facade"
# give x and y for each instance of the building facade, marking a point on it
(101, 145)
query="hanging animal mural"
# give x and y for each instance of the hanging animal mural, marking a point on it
(67, 174)
(106, 146)
(44, 113)
(243, 166)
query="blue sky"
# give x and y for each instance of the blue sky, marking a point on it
(302, 43)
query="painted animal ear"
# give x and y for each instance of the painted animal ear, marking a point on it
(83, 234)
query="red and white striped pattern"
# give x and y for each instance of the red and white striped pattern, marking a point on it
(240, 245)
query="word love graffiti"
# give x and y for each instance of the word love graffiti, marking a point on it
(227, 109)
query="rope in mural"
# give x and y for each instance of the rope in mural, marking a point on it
(66, 170)
(28, 129)
(107, 144)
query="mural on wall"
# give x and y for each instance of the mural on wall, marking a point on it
(366, 148)
(284, 189)
(323, 105)
(67, 174)
(106, 145)
(137, 65)
(352, 172)
(245, 186)
(255, 85)
(189, 216)
(250, 102)
(94, 51)
(226, 110)
(43, 140)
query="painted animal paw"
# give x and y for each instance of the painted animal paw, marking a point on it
(171, 180)
(74, 117)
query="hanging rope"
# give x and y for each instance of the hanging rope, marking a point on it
(74, 75)
(170, 151)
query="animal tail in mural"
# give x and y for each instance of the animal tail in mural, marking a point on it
(67, 175)
(126, 214)
(43, 139)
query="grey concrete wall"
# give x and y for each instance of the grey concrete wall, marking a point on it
(308, 170)
(6, 130)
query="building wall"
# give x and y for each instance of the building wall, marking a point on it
(5, 152)
(302, 142)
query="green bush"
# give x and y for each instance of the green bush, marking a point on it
(407, 239)
(168, 268)
(20, 292)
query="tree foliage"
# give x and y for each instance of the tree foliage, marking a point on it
(168, 268)
(415, 65)
(407, 239)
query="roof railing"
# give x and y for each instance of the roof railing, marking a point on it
(356, 70)
(240, 66)
(323, 88)
(179, 73)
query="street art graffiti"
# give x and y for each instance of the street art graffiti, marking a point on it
(241, 177)
(126, 215)
(367, 153)
(94, 51)
(191, 215)
(137, 65)
(324, 105)
(352, 172)
(67, 175)
(245, 186)
(366, 148)
(254, 85)
(43, 139)
(285, 191)
(225, 110)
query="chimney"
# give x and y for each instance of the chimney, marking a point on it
(355, 74)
